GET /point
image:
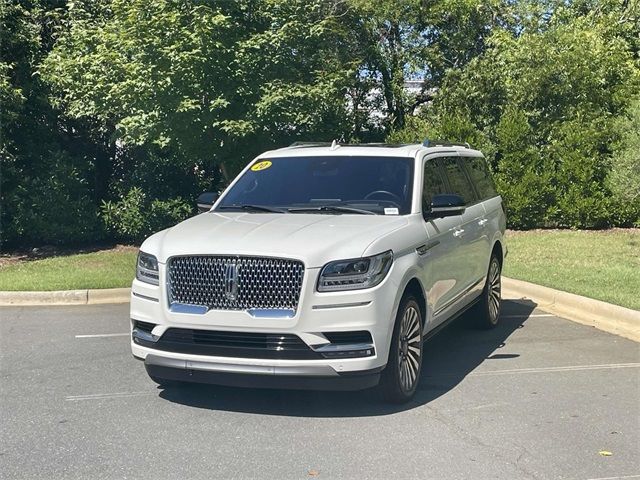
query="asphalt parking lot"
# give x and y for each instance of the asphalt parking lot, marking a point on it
(539, 397)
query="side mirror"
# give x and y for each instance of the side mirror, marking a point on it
(206, 200)
(446, 205)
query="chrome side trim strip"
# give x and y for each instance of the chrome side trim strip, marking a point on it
(142, 335)
(340, 305)
(424, 248)
(306, 370)
(186, 308)
(342, 347)
(271, 312)
(176, 307)
(144, 297)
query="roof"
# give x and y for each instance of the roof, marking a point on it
(373, 150)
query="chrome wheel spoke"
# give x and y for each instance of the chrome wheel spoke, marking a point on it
(411, 369)
(405, 375)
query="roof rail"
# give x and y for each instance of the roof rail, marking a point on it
(309, 144)
(337, 143)
(439, 143)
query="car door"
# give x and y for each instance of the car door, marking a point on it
(478, 172)
(441, 271)
(470, 232)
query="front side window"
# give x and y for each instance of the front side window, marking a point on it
(331, 184)
(458, 182)
(481, 177)
(433, 184)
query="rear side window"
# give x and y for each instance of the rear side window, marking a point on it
(480, 176)
(458, 181)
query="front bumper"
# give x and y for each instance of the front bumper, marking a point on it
(369, 310)
(299, 378)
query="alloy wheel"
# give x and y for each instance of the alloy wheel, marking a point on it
(409, 349)
(494, 291)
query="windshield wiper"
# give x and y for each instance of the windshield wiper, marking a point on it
(253, 208)
(330, 208)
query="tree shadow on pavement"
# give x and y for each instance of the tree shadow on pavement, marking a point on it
(449, 357)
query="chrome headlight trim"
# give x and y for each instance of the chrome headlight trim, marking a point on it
(147, 268)
(355, 273)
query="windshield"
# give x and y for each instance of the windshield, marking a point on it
(333, 185)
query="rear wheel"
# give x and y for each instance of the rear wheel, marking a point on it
(402, 373)
(486, 314)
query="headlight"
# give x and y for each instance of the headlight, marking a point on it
(356, 273)
(147, 268)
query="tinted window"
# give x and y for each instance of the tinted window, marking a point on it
(368, 183)
(480, 176)
(457, 179)
(433, 184)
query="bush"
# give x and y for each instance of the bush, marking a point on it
(624, 178)
(133, 217)
(56, 208)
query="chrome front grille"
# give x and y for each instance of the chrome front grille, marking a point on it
(235, 283)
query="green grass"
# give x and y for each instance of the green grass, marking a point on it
(102, 269)
(604, 265)
(599, 264)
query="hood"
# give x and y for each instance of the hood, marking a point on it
(313, 238)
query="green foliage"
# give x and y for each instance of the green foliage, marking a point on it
(56, 208)
(400, 39)
(113, 111)
(134, 217)
(522, 176)
(205, 80)
(543, 106)
(624, 178)
(47, 163)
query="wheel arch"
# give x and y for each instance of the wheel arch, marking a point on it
(414, 286)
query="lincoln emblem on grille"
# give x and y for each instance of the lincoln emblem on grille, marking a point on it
(231, 281)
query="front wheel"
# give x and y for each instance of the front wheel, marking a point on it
(402, 373)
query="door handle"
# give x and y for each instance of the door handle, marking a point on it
(483, 222)
(458, 233)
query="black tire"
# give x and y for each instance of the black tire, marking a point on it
(401, 375)
(486, 313)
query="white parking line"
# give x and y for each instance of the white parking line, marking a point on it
(615, 478)
(572, 368)
(528, 316)
(104, 335)
(102, 396)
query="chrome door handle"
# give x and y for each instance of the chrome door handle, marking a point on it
(483, 222)
(458, 233)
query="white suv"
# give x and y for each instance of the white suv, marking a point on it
(322, 267)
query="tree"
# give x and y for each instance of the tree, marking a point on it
(413, 38)
(212, 82)
(47, 162)
(624, 178)
(557, 92)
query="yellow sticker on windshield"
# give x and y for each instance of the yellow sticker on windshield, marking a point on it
(261, 166)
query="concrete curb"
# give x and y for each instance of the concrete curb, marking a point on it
(66, 297)
(587, 311)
